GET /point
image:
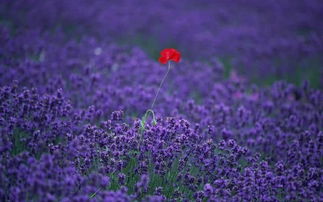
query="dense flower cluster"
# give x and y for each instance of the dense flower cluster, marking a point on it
(70, 104)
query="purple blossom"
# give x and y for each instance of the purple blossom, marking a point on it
(71, 98)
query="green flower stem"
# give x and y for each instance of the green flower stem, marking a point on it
(94, 194)
(144, 118)
(160, 85)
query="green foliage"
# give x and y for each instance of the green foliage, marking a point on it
(226, 61)
(18, 141)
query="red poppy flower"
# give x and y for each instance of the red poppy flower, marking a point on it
(169, 54)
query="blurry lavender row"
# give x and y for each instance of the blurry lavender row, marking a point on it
(282, 38)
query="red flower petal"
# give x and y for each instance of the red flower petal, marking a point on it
(163, 60)
(176, 57)
(169, 54)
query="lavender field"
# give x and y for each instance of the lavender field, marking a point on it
(239, 116)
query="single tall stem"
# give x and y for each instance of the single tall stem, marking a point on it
(160, 85)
